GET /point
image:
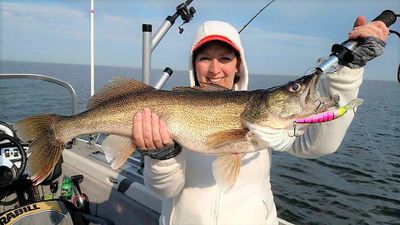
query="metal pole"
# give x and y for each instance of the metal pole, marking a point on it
(164, 77)
(164, 28)
(48, 79)
(91, 137)
(92, 48)
(146, 53)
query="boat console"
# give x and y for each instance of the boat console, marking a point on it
(13, 155)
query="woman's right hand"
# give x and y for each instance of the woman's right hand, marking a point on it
(149, 131)
(363, 29)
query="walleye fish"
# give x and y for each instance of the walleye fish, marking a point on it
(223, 122)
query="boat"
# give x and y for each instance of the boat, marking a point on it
(100, 194)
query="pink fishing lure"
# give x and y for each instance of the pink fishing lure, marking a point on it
(331, 115)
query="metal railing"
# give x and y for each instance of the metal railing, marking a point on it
(45, 78)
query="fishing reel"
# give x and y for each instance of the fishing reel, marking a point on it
(185, 13)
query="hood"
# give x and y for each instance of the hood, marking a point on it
(218, 30)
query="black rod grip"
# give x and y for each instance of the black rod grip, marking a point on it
(387, 16)
(188, 2)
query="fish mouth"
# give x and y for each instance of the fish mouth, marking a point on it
(322, 106)
(321, 103)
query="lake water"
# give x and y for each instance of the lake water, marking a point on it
(359, 184)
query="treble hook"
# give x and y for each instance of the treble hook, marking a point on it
(321, 104)
(294, 130)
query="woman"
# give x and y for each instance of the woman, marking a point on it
(184, 178)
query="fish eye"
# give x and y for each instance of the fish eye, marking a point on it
(294, 87)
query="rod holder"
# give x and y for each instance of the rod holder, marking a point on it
(146, 53)
(164, 77)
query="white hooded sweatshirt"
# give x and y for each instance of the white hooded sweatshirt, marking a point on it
(186, 183)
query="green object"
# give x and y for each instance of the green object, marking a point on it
(66, 189)
(47, 197)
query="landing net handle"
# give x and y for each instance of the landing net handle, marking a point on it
(344, 51)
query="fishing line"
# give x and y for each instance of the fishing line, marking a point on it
(256, 15)
(378, 152)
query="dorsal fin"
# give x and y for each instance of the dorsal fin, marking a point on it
(209, 87)
(118, 87)
(183, 88)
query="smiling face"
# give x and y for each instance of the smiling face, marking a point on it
(216, 63)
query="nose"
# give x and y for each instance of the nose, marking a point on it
(215, 67)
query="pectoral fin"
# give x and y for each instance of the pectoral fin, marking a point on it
(117, 149)
(226, 169)
(225, 137)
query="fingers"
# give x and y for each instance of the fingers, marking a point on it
(157, 141)
(375, 29)
(382, 30)
(360, 21)
(149, 131)
(165, 135)
(138, 131)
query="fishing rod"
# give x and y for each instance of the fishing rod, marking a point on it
(340, 52)
(269, 3)
(344, 52)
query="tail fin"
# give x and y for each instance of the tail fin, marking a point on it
(45, 147)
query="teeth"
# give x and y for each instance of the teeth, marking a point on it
(215, 79)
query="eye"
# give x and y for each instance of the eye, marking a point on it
(225, 59)
(294, 87)
(203, 58)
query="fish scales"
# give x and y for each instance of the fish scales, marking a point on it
(187, 115)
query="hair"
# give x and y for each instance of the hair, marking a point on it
(202, 48)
